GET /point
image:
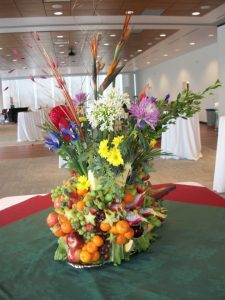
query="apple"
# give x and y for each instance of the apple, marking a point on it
(74, 241)
(73, 255)
(140, 189)
(89, 227)
(52, 219)
(57, 202)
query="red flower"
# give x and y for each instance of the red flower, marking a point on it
(59, 115)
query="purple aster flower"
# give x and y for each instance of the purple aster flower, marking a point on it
(79, 98)
(145, 112)
(167, 98)
(53, 141)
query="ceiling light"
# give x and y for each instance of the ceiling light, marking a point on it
(56, 6)
(149, 44)
(1, 48)
(165, 54)
(205, 7)
(131, 55)
(139, 50)
(61, 45)
(196, 13)
(148, 62)
(60, 36)
(125, 59)
(210, 35)
(62, 62)
(177, 50)
(61, 52)
(8, 54)
(112, 35)
(106, 44)
(58, 13)
(75, 43)
(129, 12)
(162, 34)
(24, 67)
(14, 59)
(191, 44)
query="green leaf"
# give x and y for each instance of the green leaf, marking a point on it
(61, 251)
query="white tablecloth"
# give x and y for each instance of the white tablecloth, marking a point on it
(27, 125)
(219, 174)
(183, 139)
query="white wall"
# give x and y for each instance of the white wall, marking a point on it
(199, 67)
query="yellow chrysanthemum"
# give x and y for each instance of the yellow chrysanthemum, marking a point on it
(103, 150)
(115, 157)
(117, 140)
(82, 183)
(82, 119)
(153, 143)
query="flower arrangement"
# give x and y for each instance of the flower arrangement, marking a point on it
(107, 209)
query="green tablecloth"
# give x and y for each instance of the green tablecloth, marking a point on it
(186, 262)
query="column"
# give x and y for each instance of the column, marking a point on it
(221, 64)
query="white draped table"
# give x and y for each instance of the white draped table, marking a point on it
(182, 139)
(27, 125)
(219, 174)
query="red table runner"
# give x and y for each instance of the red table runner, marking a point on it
(182, 193)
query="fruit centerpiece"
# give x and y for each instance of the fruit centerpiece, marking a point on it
(107, 210)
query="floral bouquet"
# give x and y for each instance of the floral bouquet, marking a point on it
(107, 210)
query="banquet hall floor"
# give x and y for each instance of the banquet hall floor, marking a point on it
(29, 168)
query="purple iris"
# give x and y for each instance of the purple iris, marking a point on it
(167, 98)
(53, 142)
(72, 132)
(145, 112)
(79, 98)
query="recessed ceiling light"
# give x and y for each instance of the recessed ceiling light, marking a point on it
(196, 13)
(210, 35)
(61, 52)
(148, 62)
(139, 50)
(60, 36)
(205, 7)
(162, 34)
(56, 6)
(125, 59)
(1, 48)
(177, 50)
(192, 43)
(75, 43)
(58, 13)
(8, 54)
(165, 54)
(112, 35)
(61, 45)
(62, 62)
(149, 44)
(14, 59)
(106, 44)
(129, 12)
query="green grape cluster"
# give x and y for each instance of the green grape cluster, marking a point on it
(79, 224)
(98, 199)
(56, 192)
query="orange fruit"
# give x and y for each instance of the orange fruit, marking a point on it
(66, 227)
(85, 256)
(95, 256)
(84, 247)
(105, 226)
(82, 192)
(91, 247)
(128, 198)
(98, 241)
(113, 229)
(122, 226)
(62, 219)
(120, 239)
(80, 205)
(129, 234)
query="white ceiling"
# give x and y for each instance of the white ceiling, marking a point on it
(189, 29)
